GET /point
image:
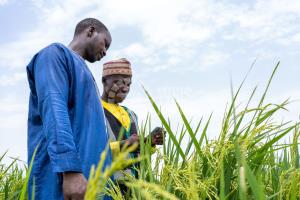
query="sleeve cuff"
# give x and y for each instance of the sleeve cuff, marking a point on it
(66, 162)
(153, 149)
(115, 148)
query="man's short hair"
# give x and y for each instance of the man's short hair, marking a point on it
(88, 22)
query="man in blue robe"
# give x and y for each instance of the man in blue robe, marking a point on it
(65, 119)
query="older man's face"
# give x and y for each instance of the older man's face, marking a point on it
(117, 87)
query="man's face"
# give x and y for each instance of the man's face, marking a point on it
(117, 87)
(97, 45)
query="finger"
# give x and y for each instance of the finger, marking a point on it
(78, 197)
(66, 197)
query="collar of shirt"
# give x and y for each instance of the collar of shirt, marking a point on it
(118, 112)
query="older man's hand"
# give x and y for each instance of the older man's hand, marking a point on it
(74, 186)
(157, 136)
(133, 139)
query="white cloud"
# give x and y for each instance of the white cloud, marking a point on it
(296, 37)
(173, 34)
(183, 28)
(293, 39)
(268, 21)
(13, 126)
(4, 2)
(167, 27)
(11, 104)
(293, 107)
(56, 24)
(134, 51)
(12, 79)
(24, 49)
(213, 58)
(172, 28)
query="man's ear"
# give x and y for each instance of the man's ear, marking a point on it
(91, 31)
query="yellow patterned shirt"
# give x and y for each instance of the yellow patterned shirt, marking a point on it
(119, 112)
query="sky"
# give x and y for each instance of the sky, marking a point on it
(188, 50)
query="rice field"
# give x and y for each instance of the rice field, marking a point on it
(250, 159)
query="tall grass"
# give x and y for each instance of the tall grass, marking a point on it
(250, 159)
(11, 179)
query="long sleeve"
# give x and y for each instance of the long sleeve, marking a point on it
(52, 78)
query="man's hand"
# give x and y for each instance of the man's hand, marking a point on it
(157, 136)
(133, 139)
(74, 186)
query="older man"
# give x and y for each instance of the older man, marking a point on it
(65, 121)
(116, 79)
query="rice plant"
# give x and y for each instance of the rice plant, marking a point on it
(250, 159)
(11, 179)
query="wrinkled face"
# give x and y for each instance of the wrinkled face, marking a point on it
(116, 87)
(97, 45)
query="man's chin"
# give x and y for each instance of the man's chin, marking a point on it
(92, 60)
(120, 99)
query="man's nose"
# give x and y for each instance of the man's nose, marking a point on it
(125, 88)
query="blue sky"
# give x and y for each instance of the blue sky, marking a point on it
(188, 50)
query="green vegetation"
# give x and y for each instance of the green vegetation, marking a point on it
(11, 179)
(249, 160)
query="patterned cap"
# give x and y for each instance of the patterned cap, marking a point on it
(119, 66)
